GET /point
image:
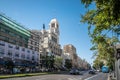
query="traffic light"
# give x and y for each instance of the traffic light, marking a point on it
(118, 54)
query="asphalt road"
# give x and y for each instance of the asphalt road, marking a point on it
(62, 77)
(100, 76)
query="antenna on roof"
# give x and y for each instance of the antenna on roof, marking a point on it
(43, 26)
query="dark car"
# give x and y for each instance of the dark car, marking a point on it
(92, 72)
(75, 71)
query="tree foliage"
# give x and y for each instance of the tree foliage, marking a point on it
(101, 21)
(109, 7)
(9, 65)
(68, 63)
(98, 64)
(58, 62)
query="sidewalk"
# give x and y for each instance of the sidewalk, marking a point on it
(21, 75)
(111, 76)
(29, 74)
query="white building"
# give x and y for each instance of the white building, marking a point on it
(21, 57)
(51, 39)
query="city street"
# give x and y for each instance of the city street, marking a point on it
(85, 76)
(100, 76)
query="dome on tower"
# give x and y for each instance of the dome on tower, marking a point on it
(54, 21)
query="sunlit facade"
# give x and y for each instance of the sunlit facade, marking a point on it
(18, 44)
(71, 50)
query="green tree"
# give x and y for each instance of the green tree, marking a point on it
(68, 63)
(101, 21)
(49, 61)
(58, 62)
(10, 65)
(98, 64)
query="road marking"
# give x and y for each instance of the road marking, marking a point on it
(41, 79)
(74, 79)
(92, 77)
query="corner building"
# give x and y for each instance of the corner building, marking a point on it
(15, 45)
(51, 39)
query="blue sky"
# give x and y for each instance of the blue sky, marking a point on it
(33, 13)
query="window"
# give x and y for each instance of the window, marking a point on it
(53, 24)
(31, 36)
(12, 41)
(7, 31)
(6, 39)
(1, 51)
(20, 43)
(31, 47)
(18, 36)
(2, 37)
(10, 46)
(37, 59)
(9, 53)
(28, 51)
(23, 56)
(35, 43)
(23, 49)
(26, 45)
(31, 42)
(36, 49)
(33, 58)
(37, 53)
(12, 34)
(28, 57)
(21, 37)
(16, 54)
(17, 47)
(54, 39)
(2, 44)
(32, 52)
(3, 30)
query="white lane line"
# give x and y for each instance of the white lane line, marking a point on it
(91, 77)
(73, 79)
(41, 79)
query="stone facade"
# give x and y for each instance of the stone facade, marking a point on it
(49, 39)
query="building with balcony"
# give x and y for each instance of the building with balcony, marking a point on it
(18, 43)
(12, 32)
(33, 42)
(21, 57)
(49, 40)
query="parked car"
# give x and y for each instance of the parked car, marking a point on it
(92, 72)
(75, 71)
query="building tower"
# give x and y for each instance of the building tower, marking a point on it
(54, 28)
